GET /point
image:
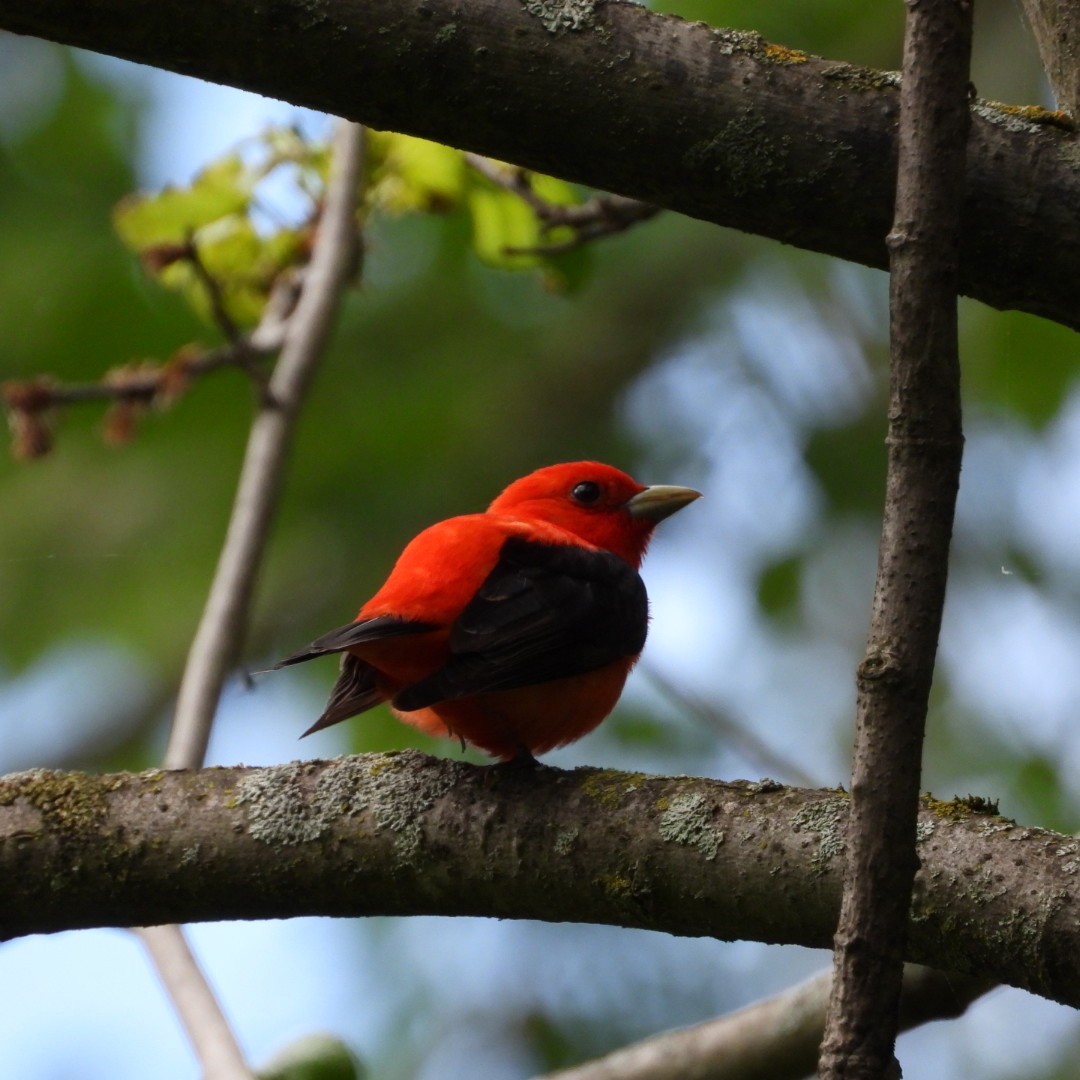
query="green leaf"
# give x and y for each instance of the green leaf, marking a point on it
(553, 190)
(502, 222)
(229, 247)
(415, 174)
(224, 187)
(230, 251)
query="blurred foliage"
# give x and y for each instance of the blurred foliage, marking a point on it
(682, 351)
(446, 380)
(204, 239)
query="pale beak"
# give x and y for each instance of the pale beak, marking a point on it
(660, 501)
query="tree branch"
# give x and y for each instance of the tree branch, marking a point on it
(717, 124)
(306, 333)
(406, 834)
(1055, 25)
(31, 403)
(189, 990)
(773, 1039)
(925, 447)
(600, 216)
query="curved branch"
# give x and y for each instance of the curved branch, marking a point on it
(773, 1039)
(717, 124)
(406, 834)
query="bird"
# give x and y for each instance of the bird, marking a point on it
(512, 630)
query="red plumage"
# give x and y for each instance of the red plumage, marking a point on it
(514, 629)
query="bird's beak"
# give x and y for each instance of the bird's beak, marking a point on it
(660, 501)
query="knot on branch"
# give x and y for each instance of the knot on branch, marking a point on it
(882, 663)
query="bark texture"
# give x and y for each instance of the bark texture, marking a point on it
(717, 124)
(1056, 27)
(406, 834)
(925, 445)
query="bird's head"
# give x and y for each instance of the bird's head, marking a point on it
(597, 503)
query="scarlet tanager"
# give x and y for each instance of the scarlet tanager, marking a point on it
(515, 629)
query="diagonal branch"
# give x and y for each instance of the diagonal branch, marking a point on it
(717, 124)
(306, 333)
(773, 1039)
(189, 990)
(738, 736)
(406, 834)
(925, 445)
(600, 216)
(218, 639)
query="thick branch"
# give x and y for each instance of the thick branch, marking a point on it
(719, 125)
(406, 834)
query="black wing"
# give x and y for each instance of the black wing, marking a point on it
(544, 612)
(356, 633)
(355, 690)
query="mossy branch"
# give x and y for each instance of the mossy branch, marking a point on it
(718, 124)
(407, 834)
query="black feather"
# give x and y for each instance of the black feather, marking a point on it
(355, 633)
(545, 612)
(354, 692)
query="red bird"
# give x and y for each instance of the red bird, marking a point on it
(515, 629)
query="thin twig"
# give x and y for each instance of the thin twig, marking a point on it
(31, 403)
(306, 332)
(602, 215)
(773, 1039)
(733, 733)
(144, 382)
(213, 293)
(925, 443)
(224, 619)
(185, 982)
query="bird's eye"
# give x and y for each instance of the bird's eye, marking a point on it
(586, 493)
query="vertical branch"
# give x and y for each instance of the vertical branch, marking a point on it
(925, 443)
(217, 641)
(218, 638)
